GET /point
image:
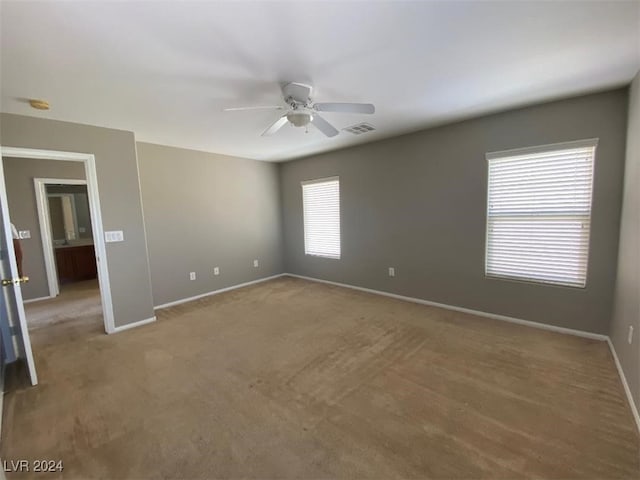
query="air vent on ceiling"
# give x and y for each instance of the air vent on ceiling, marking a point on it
(360, 128)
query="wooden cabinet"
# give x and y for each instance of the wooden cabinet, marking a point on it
(76, 263)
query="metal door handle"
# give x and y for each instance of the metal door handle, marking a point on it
(11, 281)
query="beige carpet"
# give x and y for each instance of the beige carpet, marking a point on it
(77, 302)
(293, 379)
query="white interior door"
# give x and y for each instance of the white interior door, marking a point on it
(12, 307)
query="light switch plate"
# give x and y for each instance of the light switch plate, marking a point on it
(392, 271)
(24, 233)
(216, 271)
(256, 263)
(114, 236)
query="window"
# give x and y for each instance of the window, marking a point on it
(321, 206)
(539, 213)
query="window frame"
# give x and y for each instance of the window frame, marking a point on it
(541, 149)
(314, 181)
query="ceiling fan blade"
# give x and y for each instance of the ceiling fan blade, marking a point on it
(345, 107)
(324, 126)
(266, 107)
(277, 125)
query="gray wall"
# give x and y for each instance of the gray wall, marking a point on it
(626, 310)
(204, 210)
(418, 203)
(19, 175)
(119, 190)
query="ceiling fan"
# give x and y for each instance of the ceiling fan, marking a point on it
(301, 110)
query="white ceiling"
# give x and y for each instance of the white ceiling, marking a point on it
(166, 70)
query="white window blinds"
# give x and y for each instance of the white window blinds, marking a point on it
(539, 213)
(321, 207)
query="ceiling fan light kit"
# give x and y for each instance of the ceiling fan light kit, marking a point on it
(299, 119)
(302, 110)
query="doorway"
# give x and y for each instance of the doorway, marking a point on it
(66, 233)
(68, 249)
(87, 162)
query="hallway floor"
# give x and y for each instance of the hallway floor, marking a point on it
(78, 303)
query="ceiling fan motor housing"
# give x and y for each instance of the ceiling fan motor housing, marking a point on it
(298, 93)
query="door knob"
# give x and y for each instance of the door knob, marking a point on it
(9, 281)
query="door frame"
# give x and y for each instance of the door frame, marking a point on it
(91, 178)
(44, 218)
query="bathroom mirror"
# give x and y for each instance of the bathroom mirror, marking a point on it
(69, 213)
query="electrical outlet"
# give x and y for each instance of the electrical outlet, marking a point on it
(192, 275)
(24, 234)
(216, 271)
(256, 264)
(392, 272)
(630, 336)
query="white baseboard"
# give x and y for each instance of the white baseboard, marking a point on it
(627, 390)
(39, 299)
(495, 316)
(215, 292)
(133, 325)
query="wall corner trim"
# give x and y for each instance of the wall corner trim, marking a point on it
(133, 325)
(215, 292)
(625, 385)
